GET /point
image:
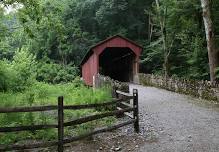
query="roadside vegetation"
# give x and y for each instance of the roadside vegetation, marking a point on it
(46, 94)
(20, 87)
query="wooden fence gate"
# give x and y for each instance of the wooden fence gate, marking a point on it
(122, 103)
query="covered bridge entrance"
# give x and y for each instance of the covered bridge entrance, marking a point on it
(116, 57)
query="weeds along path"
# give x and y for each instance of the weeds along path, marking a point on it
(173, 122)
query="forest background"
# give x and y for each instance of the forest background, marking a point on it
(52, 36)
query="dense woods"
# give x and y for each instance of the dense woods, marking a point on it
(178, 36)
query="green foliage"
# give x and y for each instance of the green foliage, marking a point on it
(185, 40)
(25, 65)
(18, 74)
(62, 31)
(4, 83)
(44, 94)
(56, 73)
(196, 59)
(215, 16)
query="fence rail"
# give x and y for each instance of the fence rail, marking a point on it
(121, 103)
(55, 107)
(28, 109)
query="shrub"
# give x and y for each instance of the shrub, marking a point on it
(3, 76)
(56, 73)
(18, 74)
(25, 65)
(8, 76)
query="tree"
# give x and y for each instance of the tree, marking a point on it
(213, 54)
(162, 21)
(176, 40)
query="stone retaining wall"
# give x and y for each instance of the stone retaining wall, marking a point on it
(201, 89)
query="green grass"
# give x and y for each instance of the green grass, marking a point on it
(46, 94)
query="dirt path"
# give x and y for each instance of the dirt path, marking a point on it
(171, 122)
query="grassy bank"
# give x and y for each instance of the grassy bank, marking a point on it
(46, 94)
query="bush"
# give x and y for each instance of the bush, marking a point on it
(25, 65)
(3, 76)
(23, 71)
(56, 73)
(18, 74)
(9, 79)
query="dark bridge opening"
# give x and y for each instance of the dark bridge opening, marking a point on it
(117, 63)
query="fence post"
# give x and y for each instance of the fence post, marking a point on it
(117, 104)
(60, 124)
(135, 112)
(114, 94)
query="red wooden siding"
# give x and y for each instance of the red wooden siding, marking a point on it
(90, 64)
(90, 69)
(117, 42)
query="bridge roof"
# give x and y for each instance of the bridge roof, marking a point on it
(106, 41)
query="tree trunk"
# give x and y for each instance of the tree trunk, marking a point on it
(166, 67)
(210, 38)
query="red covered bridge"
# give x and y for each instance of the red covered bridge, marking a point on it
(116, 57)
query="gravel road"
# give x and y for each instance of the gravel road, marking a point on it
(172, 122)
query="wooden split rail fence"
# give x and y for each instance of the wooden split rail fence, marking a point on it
(119, 102)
